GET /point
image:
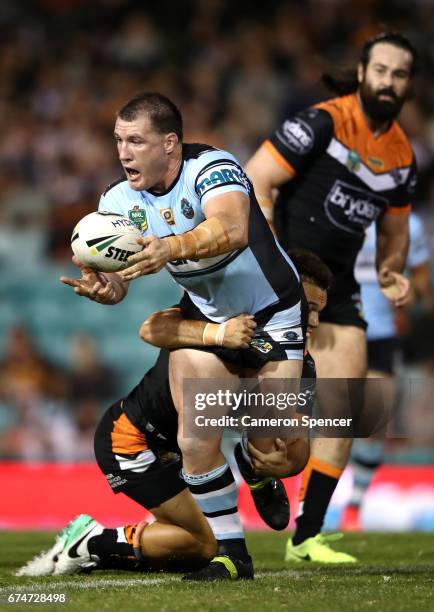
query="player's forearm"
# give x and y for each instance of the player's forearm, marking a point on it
(171, 332)
(392, 251)
(175, 332)
(214, 236)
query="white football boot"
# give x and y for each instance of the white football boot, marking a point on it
(74, 556)
(43, 564)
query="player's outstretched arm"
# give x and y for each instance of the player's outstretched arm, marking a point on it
(392, 249)
(168, 329)
(225, 229)
(102, 287)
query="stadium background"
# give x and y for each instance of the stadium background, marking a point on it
(235, 69)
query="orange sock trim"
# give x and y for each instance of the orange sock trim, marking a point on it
(319, 466)
(129, 533)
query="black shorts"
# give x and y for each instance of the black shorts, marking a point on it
(343, 304)
(382, 354)
(280, 335)
(136, 463)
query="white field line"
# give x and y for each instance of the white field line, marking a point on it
(102, 583)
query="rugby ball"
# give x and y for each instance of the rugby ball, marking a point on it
(104, 241)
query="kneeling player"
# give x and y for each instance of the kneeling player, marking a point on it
(136, 448)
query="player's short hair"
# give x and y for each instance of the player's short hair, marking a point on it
(165, 116)
(346, 81)
(311, 268)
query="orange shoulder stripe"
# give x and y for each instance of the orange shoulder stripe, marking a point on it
(283, 163)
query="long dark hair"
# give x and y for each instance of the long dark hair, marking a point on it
(344, 82)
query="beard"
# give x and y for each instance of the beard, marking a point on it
(380, 110)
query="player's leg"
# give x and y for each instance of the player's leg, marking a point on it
(125, 456)
(180, 535)
(206, 471)
(339, 351)
(368, 454)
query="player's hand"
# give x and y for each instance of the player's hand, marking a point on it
(395, 286)
(153, 257)
(96, 286)
(239, 331)
(275, 463)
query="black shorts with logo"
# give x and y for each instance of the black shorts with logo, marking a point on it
(135, 463)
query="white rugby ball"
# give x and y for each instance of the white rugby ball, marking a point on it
(104, 241)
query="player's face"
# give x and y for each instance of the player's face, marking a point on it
(316, 299)
(142, 152)
(385, 82)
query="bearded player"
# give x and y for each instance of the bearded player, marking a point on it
(338, 167)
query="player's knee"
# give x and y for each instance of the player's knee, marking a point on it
(199, 455)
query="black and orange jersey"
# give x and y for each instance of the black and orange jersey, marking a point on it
(344, 178)
(149, 405)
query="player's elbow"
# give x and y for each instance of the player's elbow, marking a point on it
(239, 235)
(149, 331)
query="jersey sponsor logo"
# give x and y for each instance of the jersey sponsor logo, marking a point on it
(353, 161)
(353, 209)
(138, 216)
(220, 174)
(261, 345)
(297, 135)
(375, 162)
(167, 215)
(187, 209)
(118, 254)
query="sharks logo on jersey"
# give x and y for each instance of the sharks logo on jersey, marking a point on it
(187, 209)
(220, 173)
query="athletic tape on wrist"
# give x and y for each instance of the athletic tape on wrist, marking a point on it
(213, 334)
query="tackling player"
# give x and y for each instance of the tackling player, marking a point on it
(199, 217)
(338, 167)
(136, 448)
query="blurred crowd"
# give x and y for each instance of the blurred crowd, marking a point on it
(234, 68)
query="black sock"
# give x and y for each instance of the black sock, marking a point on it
(106, 546)
(233, 548)
(319, 491)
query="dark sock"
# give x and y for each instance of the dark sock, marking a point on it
(233, 548)
(107, 544)
(319, 491)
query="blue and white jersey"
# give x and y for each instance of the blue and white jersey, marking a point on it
(377, 309)
(246, 280)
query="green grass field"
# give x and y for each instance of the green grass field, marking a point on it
(396, 572)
